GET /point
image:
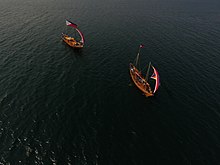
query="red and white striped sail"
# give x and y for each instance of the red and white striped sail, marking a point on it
(69, 23)
(156, 77)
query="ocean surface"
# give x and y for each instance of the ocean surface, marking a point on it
(63, 106)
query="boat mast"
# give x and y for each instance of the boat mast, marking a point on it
(146, 78)
(137, 58)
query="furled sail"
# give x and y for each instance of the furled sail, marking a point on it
(156, 77)
(69, 23)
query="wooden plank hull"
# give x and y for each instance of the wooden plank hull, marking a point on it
(139, 81)
(71, 42)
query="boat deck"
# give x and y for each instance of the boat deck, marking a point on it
(139, 81)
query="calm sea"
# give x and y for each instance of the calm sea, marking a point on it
(65, 107)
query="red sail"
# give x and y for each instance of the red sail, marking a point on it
(156, 77)
(81, 35)
(69, 23)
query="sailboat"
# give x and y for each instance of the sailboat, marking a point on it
(72, 41)
(142, 82)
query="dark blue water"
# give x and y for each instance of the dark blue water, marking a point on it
(62, 106)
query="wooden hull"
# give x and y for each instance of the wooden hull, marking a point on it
(139, 81)
(72, 42)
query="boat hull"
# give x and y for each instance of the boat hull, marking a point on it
(71, 42)
(139, 81)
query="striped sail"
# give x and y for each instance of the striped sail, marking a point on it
(156, 77)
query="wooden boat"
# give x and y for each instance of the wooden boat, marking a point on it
(72, 41)
(142, 82)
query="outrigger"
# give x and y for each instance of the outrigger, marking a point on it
(142, 82)
(70, 40)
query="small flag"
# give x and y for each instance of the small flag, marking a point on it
(141, 45)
